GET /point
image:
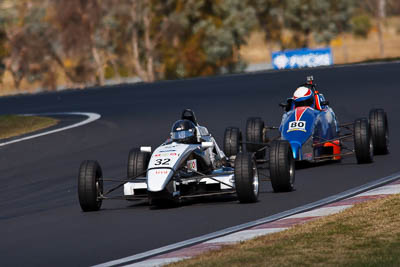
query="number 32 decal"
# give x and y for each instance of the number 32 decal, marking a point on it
(162, 162)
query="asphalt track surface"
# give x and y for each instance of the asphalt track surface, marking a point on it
(41, 223)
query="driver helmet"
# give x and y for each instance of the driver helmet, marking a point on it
(303, 96)
(184, 131)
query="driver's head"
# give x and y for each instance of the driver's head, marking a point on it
(303, 96)
(184, 131)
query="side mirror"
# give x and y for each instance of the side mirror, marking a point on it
(145, 149)
(205, 145)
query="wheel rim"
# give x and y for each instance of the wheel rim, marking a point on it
(371, 148)
(99, 191)
(240, 148)
(291, 171)
(386, 135)
(255, 180)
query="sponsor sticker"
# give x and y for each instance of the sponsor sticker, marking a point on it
(159, 172)
(192, 165)
(308, 156)
(297, 126)
(170, 146)
(166, 154)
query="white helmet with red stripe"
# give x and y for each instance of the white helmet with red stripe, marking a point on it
(303, 96)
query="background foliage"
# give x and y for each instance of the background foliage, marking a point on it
(85, 42)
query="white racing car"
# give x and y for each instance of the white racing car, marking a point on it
(189, 164)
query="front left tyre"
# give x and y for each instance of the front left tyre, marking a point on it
(90, 185)
(246, 178)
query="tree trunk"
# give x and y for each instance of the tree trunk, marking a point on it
(99, 64)
(115, 68)
(149, 48)
(381, 17)
(136, 58)
(17, 79)
(345, 51)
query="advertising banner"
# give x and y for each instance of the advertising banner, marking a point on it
(302, 58)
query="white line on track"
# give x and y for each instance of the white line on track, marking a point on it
(91, 117)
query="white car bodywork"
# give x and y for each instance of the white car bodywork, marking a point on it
(170, 156)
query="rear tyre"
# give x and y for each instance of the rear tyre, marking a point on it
(255, 134)
(379, 131)
(246, 178)
(232, 141)
(363, 144)
(90, 185)
(137, 162)
(281, 166)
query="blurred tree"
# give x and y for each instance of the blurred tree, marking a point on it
(361, 25)
(393, 7)
(378, 9)
(207, 37)
(270, 19)
(182, 38)
(324, 19)
(78, 26)
(90, 40)
(28, 35)
(3, 51)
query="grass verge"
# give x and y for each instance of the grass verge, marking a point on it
(366, 235)
(15, 125)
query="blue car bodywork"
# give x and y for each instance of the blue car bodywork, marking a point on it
(304, 127)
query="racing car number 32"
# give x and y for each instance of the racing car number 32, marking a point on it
(164, 161)
(297, 126)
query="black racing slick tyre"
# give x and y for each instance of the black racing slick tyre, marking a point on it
(380, 131)
(246, 178)
(137, 163)
(254, 134)
(90, 185)
(281, 166)
(232, 141)
(363, 143)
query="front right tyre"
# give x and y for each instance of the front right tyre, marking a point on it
(379, 131)
(281, 166)
(363, 143)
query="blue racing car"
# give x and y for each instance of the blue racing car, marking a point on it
(309, 131)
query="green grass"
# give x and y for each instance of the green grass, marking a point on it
(365, 235)
(15, 125)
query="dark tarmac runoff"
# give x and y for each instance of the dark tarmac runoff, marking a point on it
(40, 219)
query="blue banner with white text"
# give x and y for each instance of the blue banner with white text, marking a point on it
(302, 58)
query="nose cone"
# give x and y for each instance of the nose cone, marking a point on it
(298, 125)
(157, 179)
